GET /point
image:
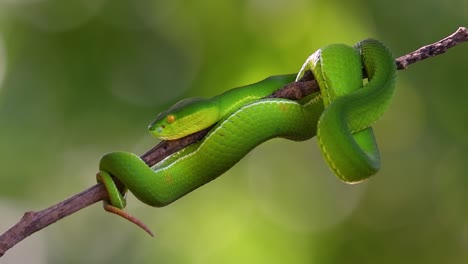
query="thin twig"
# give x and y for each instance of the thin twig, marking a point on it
(434, 49)
(32, 222)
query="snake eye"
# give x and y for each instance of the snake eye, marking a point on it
(170, 119)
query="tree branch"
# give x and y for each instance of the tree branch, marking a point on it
(32, 222)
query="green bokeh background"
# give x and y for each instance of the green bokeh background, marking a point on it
(82, 78)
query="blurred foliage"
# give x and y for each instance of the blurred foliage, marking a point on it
(85, 77)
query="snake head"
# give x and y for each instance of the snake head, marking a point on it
(184, 118)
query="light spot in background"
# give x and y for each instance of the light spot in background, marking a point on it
(80, 165)
(173, 22)
(464, 236)
(295, 189)
(402, 126)
(30, 250)
(172, 19)
(93, 231)
(280, 22)
(447, 105)
(151, 79)
(164, 68)
(287, 24)
(12, 3)
(214, 217)
(449, 187)
(3, 60)
(53, 15)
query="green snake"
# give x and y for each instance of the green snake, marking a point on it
(340, 114)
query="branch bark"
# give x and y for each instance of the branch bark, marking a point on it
(32, 222)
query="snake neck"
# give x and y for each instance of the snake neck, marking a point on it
(232, 100)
